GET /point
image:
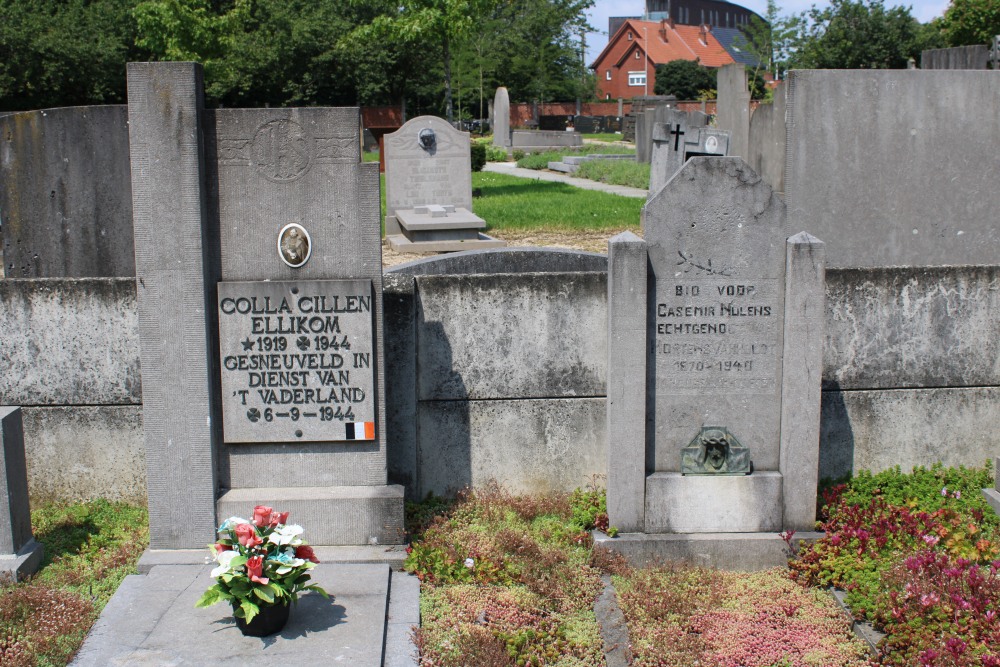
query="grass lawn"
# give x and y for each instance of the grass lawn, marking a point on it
(512, 203)
(89, 549)
(541, 160)
(612, 136)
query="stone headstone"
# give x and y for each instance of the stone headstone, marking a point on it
(731, 336)
(428, 184)
(733, 107)
(261, 249)
(677, 141)
(20, 554)
(501, 118)
(65, 193)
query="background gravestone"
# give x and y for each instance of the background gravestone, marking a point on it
(501, 118)
(730, 337)
(206, 253)
(20, 554)
(733, 108)
(428, 190)
(676, 141)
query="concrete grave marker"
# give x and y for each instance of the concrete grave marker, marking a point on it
(20, 554)
(676, 141)
(428, 186)
(259, 283)
(730, 341)
(501, 118)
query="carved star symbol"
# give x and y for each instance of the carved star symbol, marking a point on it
(247, 344)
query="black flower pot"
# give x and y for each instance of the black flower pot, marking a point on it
(269, 621)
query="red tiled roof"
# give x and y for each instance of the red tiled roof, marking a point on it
(683, 42)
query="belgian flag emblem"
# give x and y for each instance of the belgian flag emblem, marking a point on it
(360, 430)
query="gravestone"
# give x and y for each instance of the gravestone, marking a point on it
(733, 108)
(675, 142)
(259, 284)
(501, 118)
(723, 437)
(993, 494)
(20, 554)
(428, 190)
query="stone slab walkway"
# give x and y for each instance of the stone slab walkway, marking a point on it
(151, 620)
(538, 175)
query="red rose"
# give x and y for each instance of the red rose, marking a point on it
(278, 517)
(305, 552)
(220, 547)
(255, 567)
(247, 535)
(261, 515)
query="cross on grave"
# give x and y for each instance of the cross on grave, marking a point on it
(678, 133)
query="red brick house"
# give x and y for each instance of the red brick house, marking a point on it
(627, 65)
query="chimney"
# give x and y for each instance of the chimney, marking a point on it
(703, 34)
(663, 29)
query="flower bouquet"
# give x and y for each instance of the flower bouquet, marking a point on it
(263, 566)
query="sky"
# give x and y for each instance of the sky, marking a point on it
(923, 10)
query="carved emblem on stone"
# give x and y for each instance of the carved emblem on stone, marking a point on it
(282, 150)
(427, 139)
(294, 245)
(715, 451)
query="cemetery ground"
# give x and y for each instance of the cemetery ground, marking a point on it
(514, 580)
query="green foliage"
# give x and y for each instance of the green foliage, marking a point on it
(65, 53)
(856, 34)
(771, 40)
(496, 154)
(684, 79)
(971, 22)
(478, 154)
(513, 203)
(89, 549)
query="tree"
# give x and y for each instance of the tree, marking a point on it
(64, 53)
(684, 79)
(770, 40)
(856, 34)
(968, 22)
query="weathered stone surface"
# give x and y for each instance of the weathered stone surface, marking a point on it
(678, 503)
(501, 118)
(69, 342)
(176, 278)
(766, 145)
(626, 393)
(333, 515)
(508, 260)
(15, 513)
(529, 446)
(65, 193)
(733, 108)
(401, 380)
(486, 337)
(877, 430)
(676, 140)
(85, 452)
(805, 315)
(845, 178)
(740, 552)
(890, 328)
(716, 237)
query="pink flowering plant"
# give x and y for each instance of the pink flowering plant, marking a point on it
(263, 562)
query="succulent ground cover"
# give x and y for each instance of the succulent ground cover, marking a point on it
(89, 549)
(918, 555)
(511, 580)
(681, 615)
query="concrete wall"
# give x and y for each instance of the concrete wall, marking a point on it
(69, 355)
(766, 144)
(65, 193)
(958, 57)
(895, 168)
(502, 375)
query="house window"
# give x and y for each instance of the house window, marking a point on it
(630, 36)
(637, 54)
(607, 75)
(637, 78)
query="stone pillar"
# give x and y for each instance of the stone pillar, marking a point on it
(993, 495)
(20, 554)
(175, 284)
(627, 382)
(621, 107)
(733, 108)
(805, 313)
(501, 113)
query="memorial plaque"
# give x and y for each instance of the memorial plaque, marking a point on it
(718, 334)
(297, 361)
